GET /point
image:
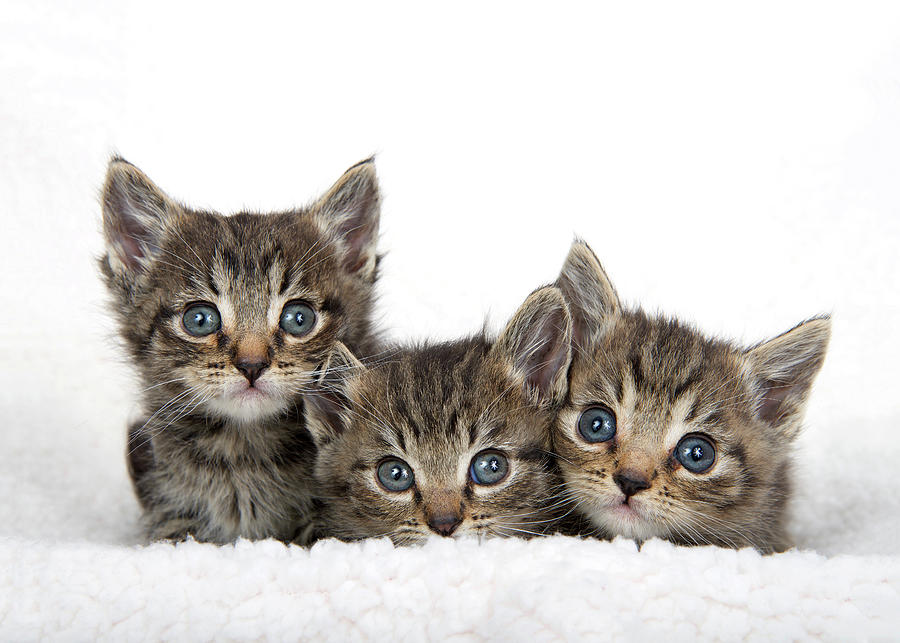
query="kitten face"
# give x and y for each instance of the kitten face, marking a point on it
(229, 315)
(451, 439)
(669, 434)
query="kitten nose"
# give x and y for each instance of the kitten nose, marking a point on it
(631, 481)
(251, 368)
(444, 524)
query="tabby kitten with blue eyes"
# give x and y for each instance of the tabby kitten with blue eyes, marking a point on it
(226, 319)
(450, 439)
(669, 434)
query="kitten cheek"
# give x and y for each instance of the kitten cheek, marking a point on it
(571, 472)
(298, 371)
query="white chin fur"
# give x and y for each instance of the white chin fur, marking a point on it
(635, 527)
(245, 411)
(246, 405)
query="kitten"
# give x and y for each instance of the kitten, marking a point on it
(226, 318)
(450, 439)
(672, 435)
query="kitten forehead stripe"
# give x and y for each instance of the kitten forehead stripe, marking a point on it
(398, 433)
(690, 380)
(285, 283)
(637, 377)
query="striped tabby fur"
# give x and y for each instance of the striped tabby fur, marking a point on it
(663, 381)
(437, 409)
(221, 451)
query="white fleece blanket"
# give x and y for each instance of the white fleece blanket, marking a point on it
(551, 589)
(739, 170)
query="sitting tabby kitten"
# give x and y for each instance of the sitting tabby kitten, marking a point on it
(226, 318)
(669, 434)
(450, 439)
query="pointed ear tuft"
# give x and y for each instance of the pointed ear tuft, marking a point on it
(588, 291)
(135, 216)
(783, 371)
(536, 344)
(349, 213)
(328, 403)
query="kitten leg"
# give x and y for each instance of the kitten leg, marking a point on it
(307, 535)
(172, 529)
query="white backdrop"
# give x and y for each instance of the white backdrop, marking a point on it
(735, 166)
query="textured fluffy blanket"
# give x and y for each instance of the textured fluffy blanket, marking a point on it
(550, 589)
(738, 170)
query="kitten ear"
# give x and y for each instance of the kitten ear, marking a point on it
(136, 214)
(783, 370)
(588, 291)
(536, 343)
(327, 404)
(348, 213)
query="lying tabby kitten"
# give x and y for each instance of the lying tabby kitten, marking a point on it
(669, 434)
(226, 318)
(450, 439)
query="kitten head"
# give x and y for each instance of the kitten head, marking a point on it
(450, 439)
(670, 434)
(229, 315)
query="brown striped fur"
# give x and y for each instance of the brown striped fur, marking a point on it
(217, 455)
(664, 380)
(436, 407)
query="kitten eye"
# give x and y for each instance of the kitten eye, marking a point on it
(297, 318)
(597, 424)
(488, 467)
(200, 320)
(395, 475)
(695, 453)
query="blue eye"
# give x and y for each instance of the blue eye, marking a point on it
(597, 424)
(201, 319)
(297, 318)
(395, 475)
(489, 467)
(696, 454)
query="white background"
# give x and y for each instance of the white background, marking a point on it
(736, 166)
